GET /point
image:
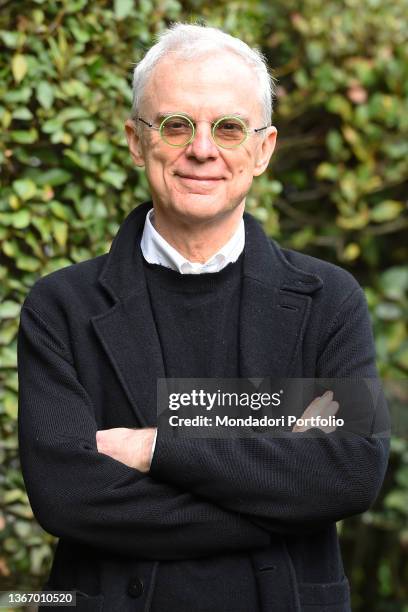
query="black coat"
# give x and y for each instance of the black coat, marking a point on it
(88, 359)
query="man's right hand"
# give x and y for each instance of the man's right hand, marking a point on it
(324, 407)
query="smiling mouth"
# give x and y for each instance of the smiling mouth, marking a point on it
(191, 177)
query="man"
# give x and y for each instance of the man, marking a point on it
(192, 288)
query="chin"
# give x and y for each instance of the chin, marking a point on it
(199, 206)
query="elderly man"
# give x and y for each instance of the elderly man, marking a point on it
(192, 288)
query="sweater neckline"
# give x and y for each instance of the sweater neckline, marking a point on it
(174, 281)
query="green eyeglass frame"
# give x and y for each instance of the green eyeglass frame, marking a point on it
(247, 131)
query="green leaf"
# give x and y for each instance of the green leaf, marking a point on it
(10, 39)
(339, 105)
(75, 5)
(45, 94)
(86, 162)
(394, 282)
(38, 556)
(354, 222)
(9, 309)
(24, 114)
(74, 112)
(56, 264)
(8, 358)
(21, 95)
(81, 34)
(25, 262)
(397, 500)
(326, 171)
(402, 476)
(24, 136)
(22, 529)
(51, 126)
(402, 357)
(11, 406)
(75, 88)
(386, 211)
(8, 331)
(387, 311)
(54, 177)
(60, 232)
(25, 188)
(44, 227)
(114, 177)
(123, 8)
(21, 510)
(19, 67)
(12, 496)
(10, 248)
(351, 251)
(21, 218)
(61, 211)
(84, 126)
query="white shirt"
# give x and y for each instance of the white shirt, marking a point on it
(157, 250)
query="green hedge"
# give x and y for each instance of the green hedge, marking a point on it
(336, 189)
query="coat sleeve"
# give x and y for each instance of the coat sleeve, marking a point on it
(291, 484)
(81, 494)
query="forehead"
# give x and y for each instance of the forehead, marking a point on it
(208, 85)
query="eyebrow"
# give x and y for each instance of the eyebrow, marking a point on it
(162, 115)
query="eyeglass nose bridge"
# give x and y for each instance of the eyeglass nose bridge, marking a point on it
(209, 135)
(193, 132)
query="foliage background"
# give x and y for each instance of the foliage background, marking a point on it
(336, 188)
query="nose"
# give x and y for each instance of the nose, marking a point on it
(202, 147)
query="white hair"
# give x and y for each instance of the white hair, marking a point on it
(188, 41)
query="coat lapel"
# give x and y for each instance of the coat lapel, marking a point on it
(127, 331)
(128, 334)
(275, 306)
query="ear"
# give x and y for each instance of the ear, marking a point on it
(265, 150)
(134, 143)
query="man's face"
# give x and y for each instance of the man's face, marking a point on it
(201, 181)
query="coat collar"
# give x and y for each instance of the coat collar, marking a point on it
(264, 260)
(275, 305)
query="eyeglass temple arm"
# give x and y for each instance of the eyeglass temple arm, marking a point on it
(150, 125)
(260, 129)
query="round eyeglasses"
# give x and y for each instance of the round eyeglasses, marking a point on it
(227, 132)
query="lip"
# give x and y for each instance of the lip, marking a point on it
(193, 177)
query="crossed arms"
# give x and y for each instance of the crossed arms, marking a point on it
(133, 447)
(198, 498)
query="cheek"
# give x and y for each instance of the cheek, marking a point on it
(245, 165)
(163, 161)
(155, 164)
(245, 170)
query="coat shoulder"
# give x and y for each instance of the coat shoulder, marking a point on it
(75, 280)
(334, 277)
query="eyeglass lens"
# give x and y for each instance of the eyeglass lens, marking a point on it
(178, 131)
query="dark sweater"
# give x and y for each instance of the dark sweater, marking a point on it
(197, 320)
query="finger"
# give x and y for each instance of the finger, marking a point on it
(318, 404)
(324, 413)
(332, 409)
(322, 400)
(329, 411)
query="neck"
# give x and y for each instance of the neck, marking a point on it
(198, 240)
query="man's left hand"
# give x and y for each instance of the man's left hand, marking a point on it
(133, 447)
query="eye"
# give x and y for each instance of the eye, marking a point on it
(230, 126)
(177, 124)
(229, 132)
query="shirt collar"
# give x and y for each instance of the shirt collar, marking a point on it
(157, 250)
